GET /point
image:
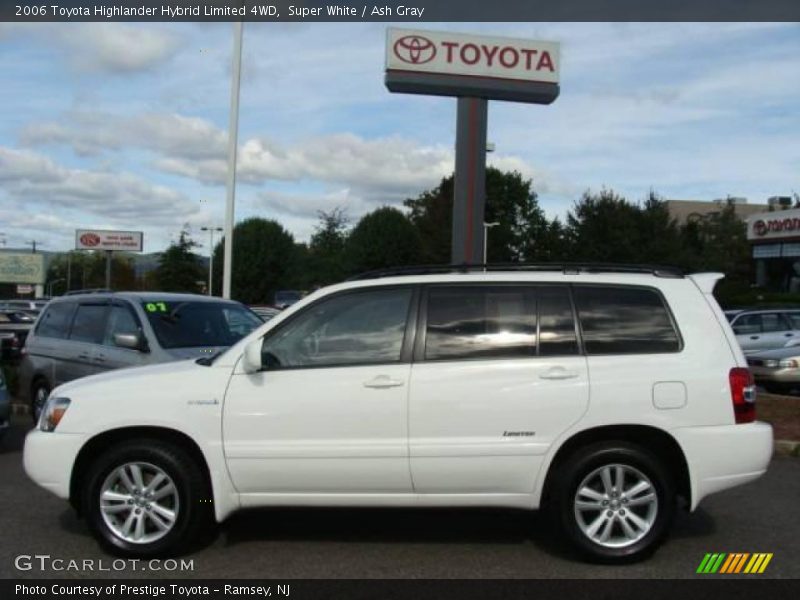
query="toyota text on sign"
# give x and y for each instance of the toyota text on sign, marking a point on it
(472, 55)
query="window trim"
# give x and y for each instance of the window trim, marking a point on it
(664, 303)
(422, 324)
(409, 331)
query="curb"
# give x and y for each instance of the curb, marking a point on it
(781, 447)
(787, 448)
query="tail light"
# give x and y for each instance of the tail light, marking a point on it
(743, 395)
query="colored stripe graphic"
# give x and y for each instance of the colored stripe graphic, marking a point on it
(735, 562)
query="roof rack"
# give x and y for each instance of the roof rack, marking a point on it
(567, 268)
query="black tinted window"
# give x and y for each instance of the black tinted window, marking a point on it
(55, 322)
(89, 324)
(357, 328)
(620, 320)
(480, 322)
(556, 322)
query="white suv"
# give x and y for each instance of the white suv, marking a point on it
(600, 394)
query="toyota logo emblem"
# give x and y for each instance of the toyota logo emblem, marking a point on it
(414, 49)
(90, 239)
(760, 228)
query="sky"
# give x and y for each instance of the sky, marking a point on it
(124, 126)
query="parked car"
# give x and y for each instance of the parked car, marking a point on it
(765, 329)
(81, 335)
(285, 298)
(33, 307)
(597, 394)
(265, 312)
(777, 371)
(5, 406)
(14, 328)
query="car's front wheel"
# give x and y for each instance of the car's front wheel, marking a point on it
(615, 501)
(146, 498)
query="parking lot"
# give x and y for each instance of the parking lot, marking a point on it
(317, 543)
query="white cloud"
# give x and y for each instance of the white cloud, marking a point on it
(37, 181)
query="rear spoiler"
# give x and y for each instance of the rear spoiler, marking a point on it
(706, 281)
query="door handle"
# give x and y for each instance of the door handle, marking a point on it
(754, 337)
(84, 355)
(788, 334)
(383, 381)
(558, 373)
(101, 358)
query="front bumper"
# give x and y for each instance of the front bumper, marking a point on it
(48, 458)
(724, 456)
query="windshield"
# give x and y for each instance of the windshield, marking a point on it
(191, 324)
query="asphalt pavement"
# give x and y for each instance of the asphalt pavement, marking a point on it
(398, 543)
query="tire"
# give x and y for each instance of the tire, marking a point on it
(39, 392)
(633, 531)
(188, 500)
(777, 388)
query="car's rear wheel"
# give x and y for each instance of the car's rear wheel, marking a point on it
(40, 390)
(614, 501)
(146, 498)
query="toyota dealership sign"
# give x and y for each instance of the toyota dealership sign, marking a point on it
(472, 55)
(99, 239)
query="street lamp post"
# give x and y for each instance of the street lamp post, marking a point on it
(211, 231)
(233, 131)
(486, 228)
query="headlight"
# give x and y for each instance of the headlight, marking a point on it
(788, 363)
(53, 412)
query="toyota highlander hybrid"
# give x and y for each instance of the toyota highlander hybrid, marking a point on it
(599, 394)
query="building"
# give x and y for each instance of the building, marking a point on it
(685, 211)
(774, 237)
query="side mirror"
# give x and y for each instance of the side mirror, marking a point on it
(251, 360)
(131, 341)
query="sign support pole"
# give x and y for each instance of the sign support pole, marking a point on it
(470, 180)
(108, 269)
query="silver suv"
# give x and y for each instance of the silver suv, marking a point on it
(80, 335)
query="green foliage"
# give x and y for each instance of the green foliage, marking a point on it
(383, 238)
(325, 259)
(78, 270)
(179, 269)
(510, 202)
(265, 260)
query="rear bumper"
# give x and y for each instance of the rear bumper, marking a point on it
(49, 457)
(775, 375)
(725, 456)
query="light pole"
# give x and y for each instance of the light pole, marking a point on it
(233, 132)
(51, 285)
(486, 228)
(211, 231)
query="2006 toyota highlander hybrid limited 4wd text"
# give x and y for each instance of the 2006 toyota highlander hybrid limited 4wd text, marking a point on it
(600, 394)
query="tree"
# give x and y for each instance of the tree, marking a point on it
(383, 238)
(510, 201)
(179, 269)
(326, 260)
(606, 227)
(86, 270)
(265, 260)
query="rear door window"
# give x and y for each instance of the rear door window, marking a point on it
(625, 320)
(55, 322)
(466, 322)
(557, 335)
(89, 324)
